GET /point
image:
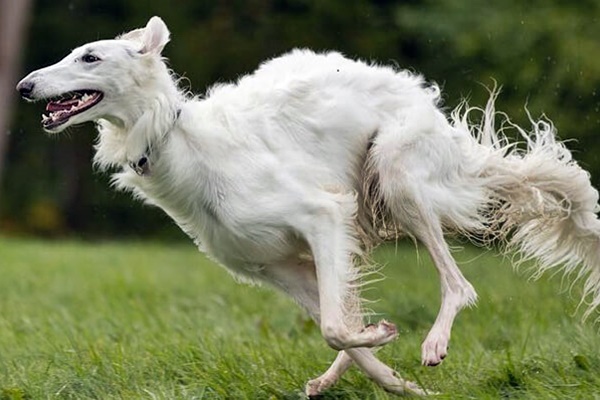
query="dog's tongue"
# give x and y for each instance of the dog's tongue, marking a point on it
(61, 105)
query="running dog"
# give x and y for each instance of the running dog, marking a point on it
(294, 173)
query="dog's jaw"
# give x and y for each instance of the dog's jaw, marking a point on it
(68, 106)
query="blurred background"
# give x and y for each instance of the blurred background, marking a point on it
(544, 53)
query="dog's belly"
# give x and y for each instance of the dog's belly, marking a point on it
(249, 248)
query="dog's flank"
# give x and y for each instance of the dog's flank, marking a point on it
(294, 173)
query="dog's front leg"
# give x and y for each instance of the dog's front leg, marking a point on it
(298, 279)
(328, 226)
(383, 375)
(341, 364)
(375, 369)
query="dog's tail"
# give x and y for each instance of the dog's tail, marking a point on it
(539, 201)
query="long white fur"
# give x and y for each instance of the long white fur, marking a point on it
(289, 174)
(545, 207)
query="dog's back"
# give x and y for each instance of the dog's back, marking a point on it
(317, 112)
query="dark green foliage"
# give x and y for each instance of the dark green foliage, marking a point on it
(543, 53)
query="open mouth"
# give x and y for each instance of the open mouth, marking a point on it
(59, 110)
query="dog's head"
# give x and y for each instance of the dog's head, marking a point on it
(100, 79)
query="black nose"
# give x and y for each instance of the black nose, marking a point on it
(25, 89)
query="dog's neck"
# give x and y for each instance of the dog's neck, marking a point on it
(132, 136)
(143, 164)
(136, 143)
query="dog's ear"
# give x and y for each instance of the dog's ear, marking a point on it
(156, 35)
(152, 38)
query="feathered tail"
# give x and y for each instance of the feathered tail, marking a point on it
(541, 202)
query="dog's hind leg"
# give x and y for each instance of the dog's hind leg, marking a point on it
(298, 280)
(416, 167)
(457, 293)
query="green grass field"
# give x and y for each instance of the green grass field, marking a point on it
(158, 321)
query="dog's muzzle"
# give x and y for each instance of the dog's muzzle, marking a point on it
(25, 89)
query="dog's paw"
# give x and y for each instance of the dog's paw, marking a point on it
(413, 389)
(382, 333)
(316, 387)
(434, 349)
(402, 387)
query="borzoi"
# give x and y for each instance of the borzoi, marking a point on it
(294, 172)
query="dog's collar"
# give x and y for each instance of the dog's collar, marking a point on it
(142, 165)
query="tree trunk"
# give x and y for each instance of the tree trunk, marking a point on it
(13, 21)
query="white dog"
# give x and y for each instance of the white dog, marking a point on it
(291, 174)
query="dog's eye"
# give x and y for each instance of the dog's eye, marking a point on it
(90, 58)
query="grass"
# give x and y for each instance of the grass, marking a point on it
(159, 321)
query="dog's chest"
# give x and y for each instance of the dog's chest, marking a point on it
(238, 231)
